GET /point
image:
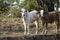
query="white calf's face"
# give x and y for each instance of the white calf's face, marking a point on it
(23, 11)
(42, 11)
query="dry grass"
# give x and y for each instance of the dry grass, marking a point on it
(14, 26)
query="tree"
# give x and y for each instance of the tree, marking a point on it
(29, 4)
(6, 6)
(3, 6)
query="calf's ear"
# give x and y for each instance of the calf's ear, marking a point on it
(25, 10)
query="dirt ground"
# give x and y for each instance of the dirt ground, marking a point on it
(13, 29)
(14, 26)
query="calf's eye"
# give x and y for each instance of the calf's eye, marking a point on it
(37, 13)
(24, 15)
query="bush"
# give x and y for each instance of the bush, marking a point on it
(30, 5)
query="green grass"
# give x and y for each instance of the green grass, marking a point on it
(1, 33)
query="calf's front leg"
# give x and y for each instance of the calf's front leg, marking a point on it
(24, 28)
(36, 27)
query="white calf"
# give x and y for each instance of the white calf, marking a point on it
(29, 17)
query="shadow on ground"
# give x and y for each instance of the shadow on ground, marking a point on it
(33, 37)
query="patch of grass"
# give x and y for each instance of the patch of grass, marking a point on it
(8, 33)
(19, 31)
(1, 33)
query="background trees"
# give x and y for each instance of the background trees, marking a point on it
(14, 6)
(29, 4)
(3, 8)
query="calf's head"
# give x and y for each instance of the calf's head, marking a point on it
(23, 12)
(41, 12)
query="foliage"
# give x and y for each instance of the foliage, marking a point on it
(30, 5)
(3, 6)
(54, 1)
(11, 1)
(5, 10)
